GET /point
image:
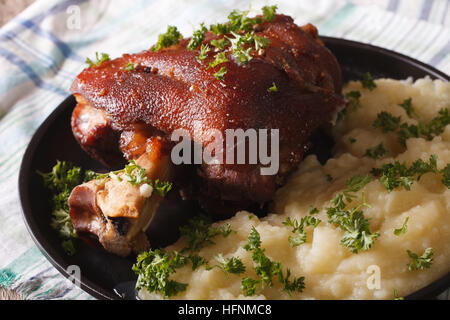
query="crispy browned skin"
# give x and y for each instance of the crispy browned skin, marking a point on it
(173, 89)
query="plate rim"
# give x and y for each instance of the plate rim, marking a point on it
(99, 292)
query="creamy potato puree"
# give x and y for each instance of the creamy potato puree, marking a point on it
(331, 271)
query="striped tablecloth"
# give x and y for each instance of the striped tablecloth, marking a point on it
(44, 48)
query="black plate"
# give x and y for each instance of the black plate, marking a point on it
(101, 272)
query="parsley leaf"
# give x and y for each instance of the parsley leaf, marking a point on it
(396, 174)
(376, 152)
(232, 265)
(422, 262)
(269, 12)
(368, 82)
(98, 60)
(266, 269)
(197, 37)
(198, 232)
(407, 106)
(273, 88)
(167, 39)
(299, 228)
(60, 181)
(220, 75)
(357, 235)
(204, 49)
(154, 268)
(387, 122)
(403, 229)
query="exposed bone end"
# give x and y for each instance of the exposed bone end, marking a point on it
(117, 212)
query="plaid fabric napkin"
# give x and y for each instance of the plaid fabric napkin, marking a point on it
(44, 48)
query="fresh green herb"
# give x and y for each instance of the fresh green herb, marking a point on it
(198, 233)
(329, 177)
(396, 296)
(98, 59)
(368, 82)
(197, 37)
(407, 106)
(204, 49)
(132, 66)
(60, 181)
(353, 98)
(273, 88)
(446, 176)
(376, 152)
(298, 228)
(269, 12)
(396, 174)
(260, 42)
(167, 39)
(422, 262)
(352, 140)
(313, 210)
(219, 44)
(220, 28)
(354, 103)
(154, 268)
(357, 236)
(135, 175)
(232, 265)
(387, 122)
(220, 75)
(219, 58)
(266, 269)
(403, 229)
(197, 261)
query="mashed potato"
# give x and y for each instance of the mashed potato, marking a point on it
(331, 270)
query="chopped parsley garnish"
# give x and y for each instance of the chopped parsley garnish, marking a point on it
(240, 44)
(352, 140)
(132, 66)
(60, 181)
(98, 59)
(136, 175)
(220, 75)
(298, 228)
(353, 103)
(329, 177)
(357, 236)
(368, 82)
(266, 269)
(403, 229)
(396, 174)
(269, 12)
(204, 49)
(154, 267)
(313, 210)
(197, 37)
(407, 106)
(219, 44)
(422, 262)
(273, 88)
(198, 233)
(232, 265)
(170, 37)
(396, 296)
(376, 152)
(220, 58)
(387, 122)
